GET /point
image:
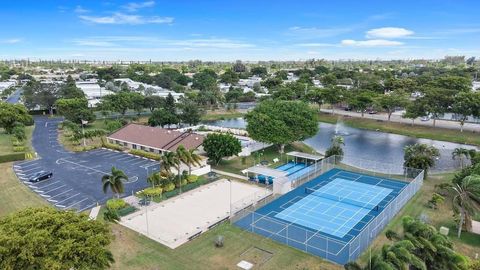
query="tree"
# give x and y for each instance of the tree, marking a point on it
(281, 74)
(329, 80)
(281, 122)
(333, 95)
(170, 104)
(168, 160)
(336, 148)
(18, 131)
(239, 67)
(153, 102)
(191, 113)
(420, 156)
(121, 101)
(205, 80)
(46, 238)
(361, 100)
(466, 104)
(455, 84)
(467, 201)
(138, 103)
(70, 89)
(162, 117)
(114, 182)
(218, 146)
(11, 114)
(75, 109)
(390, 101)
(414, 110)
(461, 154)
(259, 71)
(192, 158)
(181, 154)
(229, 77)
(39, 94)
(437, 102)
(272, 82)
(316, 95)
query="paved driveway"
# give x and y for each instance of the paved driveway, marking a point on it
(76, 182)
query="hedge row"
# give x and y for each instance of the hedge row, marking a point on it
(112, 146)
(145, 154)
(12, 157)
(126, 210)
(166, 195)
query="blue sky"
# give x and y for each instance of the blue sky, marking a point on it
(247, 30)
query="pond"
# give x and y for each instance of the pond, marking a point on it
(367, 149)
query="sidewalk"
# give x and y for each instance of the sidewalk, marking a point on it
(399, 119)
(234, 175)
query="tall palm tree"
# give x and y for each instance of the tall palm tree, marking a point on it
(461, 154)
(181, 155)
(114, 181)
(191, 158)
(467, 200)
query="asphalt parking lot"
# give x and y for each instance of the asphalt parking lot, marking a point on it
(76, 182)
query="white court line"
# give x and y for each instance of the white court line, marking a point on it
(62, 193)
(68, 198)
(54, 189)
(76, 203)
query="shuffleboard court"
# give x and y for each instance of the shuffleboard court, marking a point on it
(177, 220)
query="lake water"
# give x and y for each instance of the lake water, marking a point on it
(371, 150)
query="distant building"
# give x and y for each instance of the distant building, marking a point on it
(7, 84)
(93, 91)
(156, 90)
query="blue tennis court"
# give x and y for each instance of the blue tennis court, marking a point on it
(325, 214)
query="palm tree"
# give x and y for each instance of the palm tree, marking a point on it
(192, 158)
(181, 155)
(461, 154)
(467, 200)
(114, 181)
(420, 156)
(168, 160)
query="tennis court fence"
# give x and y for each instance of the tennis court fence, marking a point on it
(312, 241)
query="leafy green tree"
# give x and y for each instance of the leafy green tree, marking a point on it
(162, 117)
(414, 110)
(46, 238)
(75, 109)
(316, 95)
(453, 83)
(205, 80)
(333, 95)
(153, 102)
(42, 95)
(437, 102)
(272, 82)
(336, 148)
(70, 90)
(138, 103)
(239, 67)
(329, 80)
(170, 104)
(362, 100)
(229, 76)
(389, 102)
(218, 146)
(18, 132)
(259, 71)
(435, 200)
(466, 201)
(114, 182)
(121, 101)
(281, 74)
(420, 156)
(11, 114)
(320, 70)
(281, 122)
(190, 113)
(466, 104)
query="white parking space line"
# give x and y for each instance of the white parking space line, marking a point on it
(140, 162)
(76, 203)
(133, 160)
(54, 189)
(35, 168)
(85, 208)
(45, 196)
(68, 198)
(62, 193)
(124, 158)
(80, 165)
(25, 162)
(53, 183)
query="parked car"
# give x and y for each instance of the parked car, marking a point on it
(40, 176)
(425, 118)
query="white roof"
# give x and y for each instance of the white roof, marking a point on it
(305, 155)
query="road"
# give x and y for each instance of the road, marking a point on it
(399, 119)
(76, 182)
(15, 96)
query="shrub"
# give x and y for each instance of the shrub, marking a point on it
(145, 154)
(19, 149)
(113, 125)
(192, 178)
(126, 210)
(12, 157)
(17, 143)
(183, 182)
(152, 191)
(18, 132)
(111, 215)
(112, 146)
(169, 187)
(219, 241)
(115, 204)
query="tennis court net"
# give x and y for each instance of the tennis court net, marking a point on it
(346, 200)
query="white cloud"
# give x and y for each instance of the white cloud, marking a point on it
(315, 45)
(134, 6)
(389, 32)
(11, 41)
(370, 43)
(121, 18)
(93, 43)
(314, 32)
(79, 9)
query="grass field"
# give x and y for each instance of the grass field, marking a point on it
(14, 195)
(237, 164)
(133, 251)
(221, 115)
(6, 146)
(442, 134)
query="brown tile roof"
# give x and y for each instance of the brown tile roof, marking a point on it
(159, 138)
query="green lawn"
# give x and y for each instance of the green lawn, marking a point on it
(6, 146)
(14, 195)
(442, 134)
(221, 115)
(134, 251)
(237, 164)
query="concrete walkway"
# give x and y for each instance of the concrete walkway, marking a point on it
(94, 212)
(475, 227)
(234, 175)
(399, 119)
